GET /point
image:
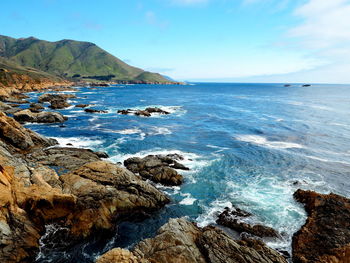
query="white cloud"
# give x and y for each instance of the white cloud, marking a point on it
(324, 34)
(326, 23)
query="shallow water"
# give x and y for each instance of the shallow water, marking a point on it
(248, 145)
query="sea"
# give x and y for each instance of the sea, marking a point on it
(247, 145)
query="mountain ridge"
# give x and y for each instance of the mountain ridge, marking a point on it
(71, 59)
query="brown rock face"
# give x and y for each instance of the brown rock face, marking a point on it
(180, 241)
(157, 168)
(15, 135)
(121, 256)
(40, 117)
(23, 211)
(325, 237)
(105, 192)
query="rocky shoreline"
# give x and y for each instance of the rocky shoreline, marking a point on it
(43, 183)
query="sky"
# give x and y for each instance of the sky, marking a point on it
(201, 40)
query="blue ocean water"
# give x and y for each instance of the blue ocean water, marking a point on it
(248, 145)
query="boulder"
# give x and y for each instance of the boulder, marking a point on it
(325, 237)
(41, 117)
(157, 168)
(232, 219)
(59, 104)
(106, 192)
(36, 107)
(51, 97)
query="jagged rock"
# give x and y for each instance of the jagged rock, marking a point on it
(19, 137)
(23, 212)
(158, 168)
(232, 219)
(106, 192)
(146, 112)
(218, 247)
(325, 237)
(41, 117)
(182, 241)
(95, 111)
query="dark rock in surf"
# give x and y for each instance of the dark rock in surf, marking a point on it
(95, 111)
(145, 113)
(157, 168)
(232, 219)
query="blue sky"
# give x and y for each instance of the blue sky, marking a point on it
(202, 40)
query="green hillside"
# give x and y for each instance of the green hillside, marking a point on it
(69, 58)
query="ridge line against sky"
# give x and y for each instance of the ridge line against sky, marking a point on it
(202, 40)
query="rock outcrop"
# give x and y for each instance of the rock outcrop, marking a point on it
(232, 218)
(157, 168)
(325, 237)
(145, 113)
(121, 256)
(182, 241)
(16, 136)
(36, 107)
(57, 101)
(40, 117)
(106, 192)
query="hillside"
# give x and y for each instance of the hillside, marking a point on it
(15, 77)
(71, 59)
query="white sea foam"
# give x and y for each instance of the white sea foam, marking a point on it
(260, 140)
(188, 200)
(159, 131)
(78, 142)
(128, 131)
(210, 213)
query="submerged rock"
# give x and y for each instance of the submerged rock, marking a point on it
(182, 241)
(158, 168)
(146, 112)
(41, 117)
(232, 219)
(82, 105)
(325, 237)
(95, 111)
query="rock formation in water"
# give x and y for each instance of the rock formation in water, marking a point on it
(145, 113)
(232, 218)
(157, 168)
(325, 237)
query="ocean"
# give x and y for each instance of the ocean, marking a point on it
(248, 145)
